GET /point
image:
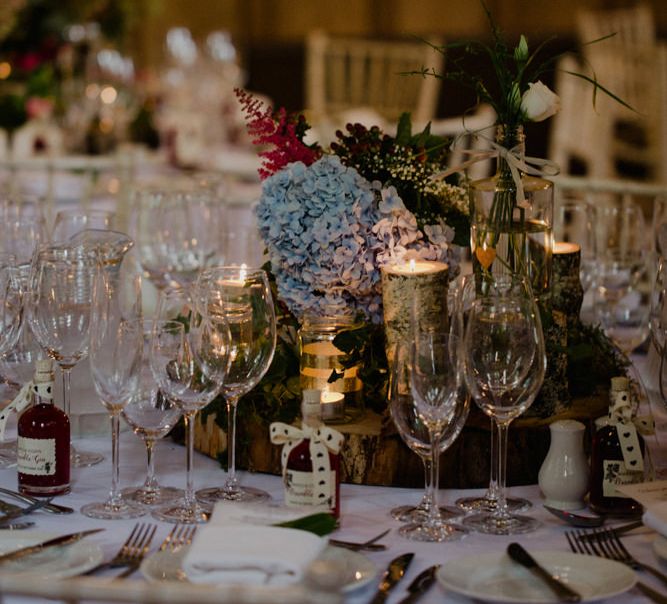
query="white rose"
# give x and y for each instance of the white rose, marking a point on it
(538, 102)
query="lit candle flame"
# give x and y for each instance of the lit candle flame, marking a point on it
(243, 272)
(412, 265)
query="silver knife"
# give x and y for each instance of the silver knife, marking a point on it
(38, 547)
(562, 591)
(53, 508)
(391, 577)
(420, 584)
(17, 513)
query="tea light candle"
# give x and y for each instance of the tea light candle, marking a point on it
(332, 405)
(415, 290)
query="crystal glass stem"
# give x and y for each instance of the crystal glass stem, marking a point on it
(114, 495)
(492, 492)
(231, 485)
(434, 517)
(66, 370)
(151, 482)
(427, 499)
(501, 512)
(188, 418)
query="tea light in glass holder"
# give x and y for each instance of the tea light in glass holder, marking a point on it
(332, 405)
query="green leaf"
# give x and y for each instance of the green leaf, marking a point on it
(321, 524)
(404, 129)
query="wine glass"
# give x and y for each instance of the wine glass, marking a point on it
(60, 300)
(22, 236)
(461, 296)
(659, 222)
(70, 222)
(17, 367)
(504, 365)
(658, 321)
(11, 302)
(622, 301)
(243, 297)
(189, 368)
(415, 434)
(178, 232)
(116, 344)
(575, 222)
(151, 415)
(435, 381)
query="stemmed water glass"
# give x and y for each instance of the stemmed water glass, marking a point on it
(575, 223)
(415, 435)
(60, 300)
(504, 366)
(460, 299)
(435, 381)
(189, 368)
(242, 296)
(116, 344)
(70, 222)
(151, 415)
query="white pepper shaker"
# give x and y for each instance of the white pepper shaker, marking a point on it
(563, 477)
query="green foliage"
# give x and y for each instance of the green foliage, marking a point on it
(321, 524)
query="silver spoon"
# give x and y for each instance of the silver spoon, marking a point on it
(576, 519)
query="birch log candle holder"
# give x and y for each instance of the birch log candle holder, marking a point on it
(413, 291)
(567, 293)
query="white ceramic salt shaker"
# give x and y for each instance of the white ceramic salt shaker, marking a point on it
(563, 477)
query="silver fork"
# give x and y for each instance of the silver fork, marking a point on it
(178, 537)
(132, 552)
(581, 543)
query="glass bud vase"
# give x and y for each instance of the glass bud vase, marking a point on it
(325, 369)
(509, 235)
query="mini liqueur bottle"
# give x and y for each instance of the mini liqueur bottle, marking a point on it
(312, 472)
(616, 455)
(43, 440)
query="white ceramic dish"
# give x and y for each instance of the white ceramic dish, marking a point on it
(54, 562)
(495, 578)
(358, 569)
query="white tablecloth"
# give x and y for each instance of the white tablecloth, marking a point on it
(364, 513)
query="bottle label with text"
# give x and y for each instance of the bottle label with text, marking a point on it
(299, 489)
(617, 473)
(36, 456)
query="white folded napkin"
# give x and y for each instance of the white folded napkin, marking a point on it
(256, 555)
(236, 513)
(655, 517)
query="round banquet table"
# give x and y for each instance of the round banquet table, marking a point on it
(364, 513)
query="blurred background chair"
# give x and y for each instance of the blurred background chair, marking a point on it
(365, 81)
(605, 139)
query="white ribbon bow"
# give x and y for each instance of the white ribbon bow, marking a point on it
(322, 440)
(515, 158)
(20, 402)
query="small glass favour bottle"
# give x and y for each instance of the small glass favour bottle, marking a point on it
(616, 456)
(43, 440)
(312, 470)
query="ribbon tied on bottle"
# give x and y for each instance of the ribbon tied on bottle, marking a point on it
(22, 400)
(322, 441)
(515, 158)
(627, 427)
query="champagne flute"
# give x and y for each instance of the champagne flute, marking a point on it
(116, 343)
(415, 435)
(60, 310)
(462, 295)
(151, 415)
(504, 366)
(435, 380)
(189, 369)
(243, 297)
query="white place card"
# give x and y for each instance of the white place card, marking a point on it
(646, 493)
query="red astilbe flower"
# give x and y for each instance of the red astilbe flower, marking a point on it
(282, 132)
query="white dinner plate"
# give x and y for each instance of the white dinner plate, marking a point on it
(495, 578)
(358, 569)
(54, 562)
(660, 547)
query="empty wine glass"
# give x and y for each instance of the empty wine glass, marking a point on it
(462, 293)
(11, 302)
(151, 415)
(504, 365)
(658, 321)
(70, 222)
(242, 296)
(22, 236)
(177, 233)
(575, 223)
(414, 433)
(189, 369)
(435, 381)
(622, 301)
(60, 300)
(116, 343)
